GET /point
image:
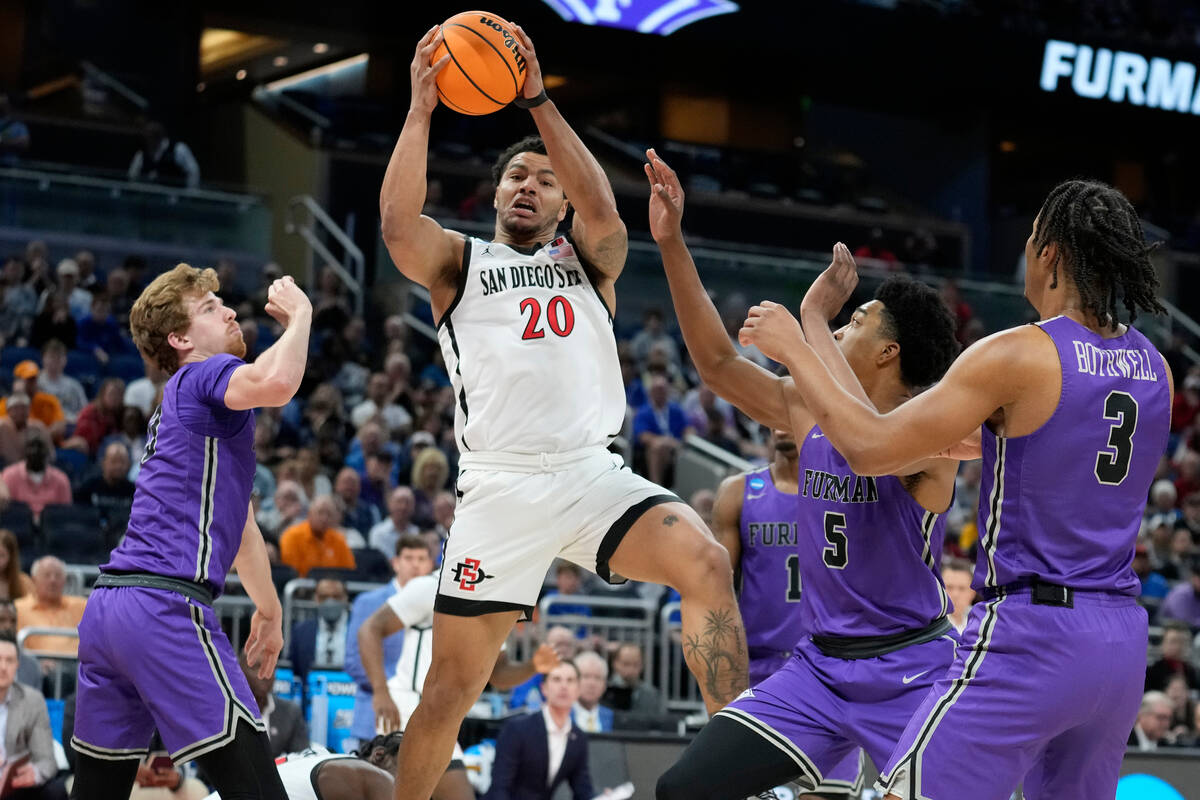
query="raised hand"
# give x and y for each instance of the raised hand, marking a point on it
(533, 69)
(545, 659)
(666, 198)
(773, 329)
(286, 300)
(833, 287)
(424, 74)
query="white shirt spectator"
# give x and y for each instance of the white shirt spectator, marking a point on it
(69, 392)
(557, 741)
(383, 536)
(395, 417)
(331, 642)
(141, 394)
(182, 155)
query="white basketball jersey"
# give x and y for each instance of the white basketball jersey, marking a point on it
(529, 347)
(413, 605)
(296, 773)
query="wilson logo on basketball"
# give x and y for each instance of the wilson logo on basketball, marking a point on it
(510, 41)
(468, 574)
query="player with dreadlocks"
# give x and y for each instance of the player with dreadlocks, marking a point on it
(1075, 411)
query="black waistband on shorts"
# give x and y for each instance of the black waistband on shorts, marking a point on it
(148, 580)
(855, 647)
(1041, 593)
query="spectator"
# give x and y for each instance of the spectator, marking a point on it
(385, 535)
(410, 559)
(14, 583)
(26, 729)
(379, 405)
(1191, 515)
(626, 691)
(443, 514)
(398, 369)
(100, 332)
(78, 300)
(377, 480)
(1187, 403)
(1154, 585)
(658, 429)
(1153, 722)
(16, 426)
(86, 260)
(1176, 642)
(163, 160)
(309, 474)
(120, 294)
(568, 580)
(1183, 716)
(526, 695)
(1188, 479)
(14, 135)
(700, 402)
(520, 771)
(1182, 603)
(959, 307)
(1179, 557)
(631, 376)
(48, 607)
(1164, 500)
(589, 714)
(1159, 528)
(99, 418)
(430, 471)
(652, 334)
(286, 728)
(110, 492)
(33, 481)
(321, 641)
(29, 671)
(43, 406)
(715, 433)
(956, 575)
(52, 380)
(142, 393)
(54, 321)
(358, 518)
(288, 508)
(315, 542)
(876, 248)
(18, 302)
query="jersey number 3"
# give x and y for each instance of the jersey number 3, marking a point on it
(559, 316)
(1112, 463)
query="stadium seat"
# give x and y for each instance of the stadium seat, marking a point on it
(74, 463)
(126, 367)
(18, 518)
(75, 534)
(371, 565)
(280, 575)
(12, 355)
(84, 368)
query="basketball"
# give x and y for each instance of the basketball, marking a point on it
(485, 72)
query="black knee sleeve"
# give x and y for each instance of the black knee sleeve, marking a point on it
(726, 761)
(243, 769)
(99, 779)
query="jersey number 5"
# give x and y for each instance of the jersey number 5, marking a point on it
(1112, 463)
(835, 533)
(559, 316)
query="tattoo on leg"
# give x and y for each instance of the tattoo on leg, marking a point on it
(670, 519)
(718, 655)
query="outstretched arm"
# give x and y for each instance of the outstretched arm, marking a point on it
(507, 674)
(266, 624)
(274, 377)
(380, 625)
(739, 380)
(421, 249)
(597, 228)
(932, 422)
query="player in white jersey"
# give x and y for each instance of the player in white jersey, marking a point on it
(526, 330)
(317, 774)
(395, 698)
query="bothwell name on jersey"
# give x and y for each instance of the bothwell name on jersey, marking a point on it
(850, 488)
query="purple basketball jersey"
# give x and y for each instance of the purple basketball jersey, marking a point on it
(861, 538)
(1065, 502)
(193, 491)
(770, 590)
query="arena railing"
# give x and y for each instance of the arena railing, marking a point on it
(297, 607)
(675, 681)
(64, 663)
(310, 222)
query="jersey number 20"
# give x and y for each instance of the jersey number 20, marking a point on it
(1112, 463)
(559, 316)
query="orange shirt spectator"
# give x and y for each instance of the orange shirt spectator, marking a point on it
(43, 406)
(315, 542)
(48, 607)
(33, 481)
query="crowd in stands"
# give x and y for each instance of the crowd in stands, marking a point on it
(359, 469)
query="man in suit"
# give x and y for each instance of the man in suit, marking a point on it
(411, 560)
(26, 726)
(589, 714)
(1153, 721)
(537, 752)
(626, 691)
(285, 723)
(321, 641)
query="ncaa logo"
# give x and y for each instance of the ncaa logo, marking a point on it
(663, 17)
(757, 484)
(468, 574)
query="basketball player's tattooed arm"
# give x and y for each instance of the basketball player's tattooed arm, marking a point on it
(380, 625)
(748, 386)
(421, 249)
(266, 625)
(726, 516)
(994, 373)
(597, 229)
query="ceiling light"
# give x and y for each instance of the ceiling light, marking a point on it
(320, 47)
(280, 61)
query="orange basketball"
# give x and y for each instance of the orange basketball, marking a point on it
(485, 72)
